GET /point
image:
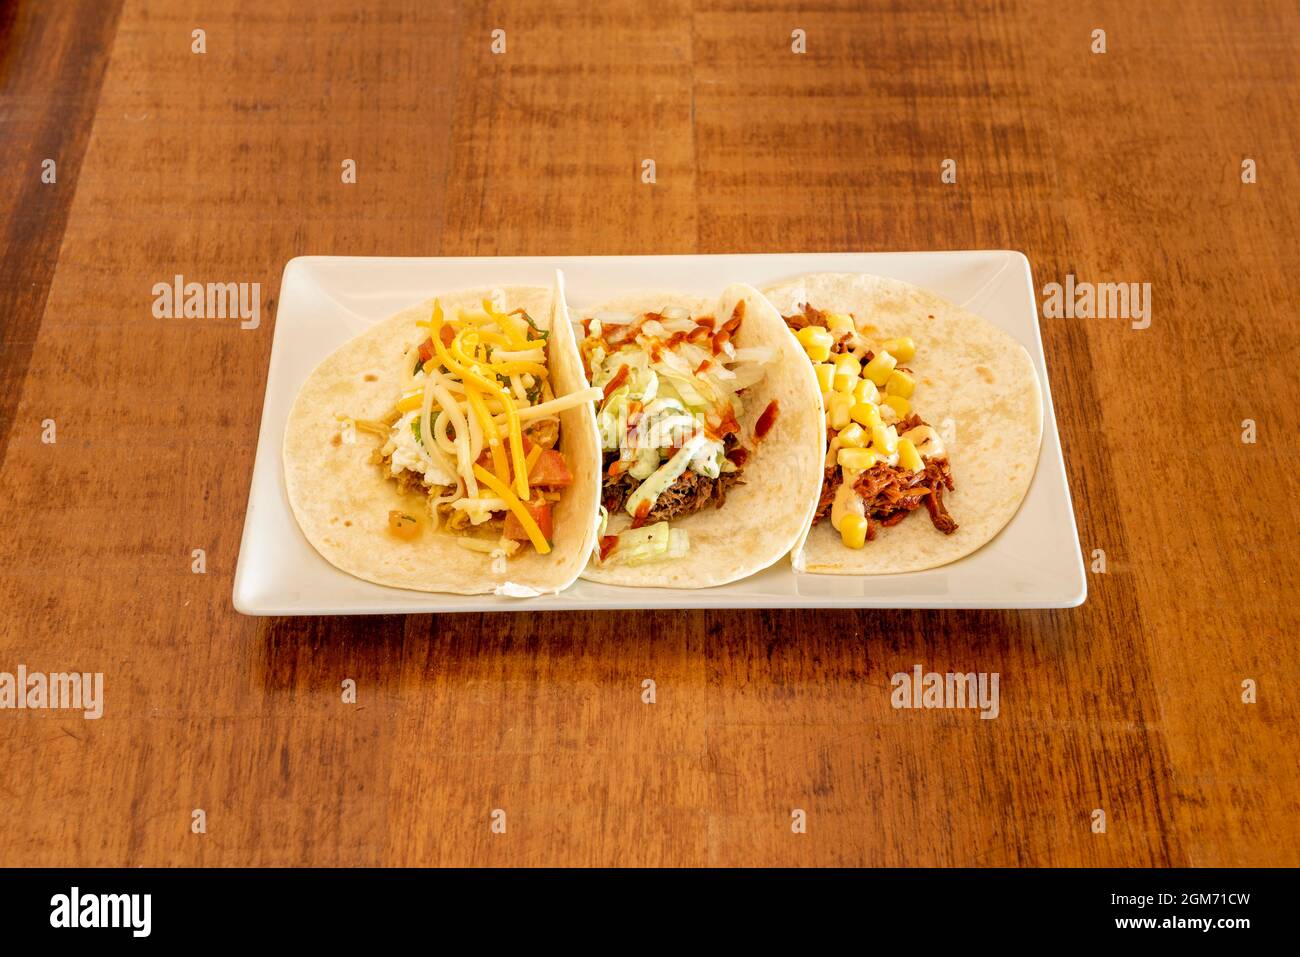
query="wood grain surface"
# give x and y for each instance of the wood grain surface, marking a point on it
(221, 166)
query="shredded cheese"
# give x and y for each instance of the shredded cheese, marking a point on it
(525, 519)
(470, 376)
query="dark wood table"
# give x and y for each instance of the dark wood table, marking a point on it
(222, 165)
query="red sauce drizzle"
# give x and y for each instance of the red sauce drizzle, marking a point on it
(718, 425)
(723, 335)
(619, 378)
(766, 420)
(607, 544)
(642, 511)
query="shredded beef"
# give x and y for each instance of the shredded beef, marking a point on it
(690, 493)
(807, 316)
(832, 479)
(890, 494)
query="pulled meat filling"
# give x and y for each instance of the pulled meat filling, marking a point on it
(690, 493)
(889, 494)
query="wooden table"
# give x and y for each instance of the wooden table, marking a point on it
(222, 165)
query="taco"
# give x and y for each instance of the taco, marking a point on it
(451, 448)
(710, 426)
(933, 424)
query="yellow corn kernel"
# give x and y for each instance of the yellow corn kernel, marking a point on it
(900, 383)
(847, 370)
(866, 391)
(908, 457)
(903, 348)
(865, 414)
(816, 341)
(899, 405)
(825, 375)
(837, 410)
(839, 322)
(848, 365)
(884, 439)
(879, 368)
(852, 436)
(859, 460)
(853, 531)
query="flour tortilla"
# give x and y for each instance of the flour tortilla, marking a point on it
(766, 515)
(974, 384)
(341, 499)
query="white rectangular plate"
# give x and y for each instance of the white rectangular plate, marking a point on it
(1035, 562)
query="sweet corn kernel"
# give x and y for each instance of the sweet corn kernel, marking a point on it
(865, 414)
(853, 531)
(839, 322)
(825, 375)
(884, 439)
(847, 370)
(859, 460)
(852, 436)
(878, 369)
(900, 383)
(902, 348)
(899, 405)
(866, 391)
(908, 457)
(848, 365)
(816, 341)
(837, 410)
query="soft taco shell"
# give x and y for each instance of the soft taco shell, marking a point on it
(341, 500)
(974, 384)
(766, 515)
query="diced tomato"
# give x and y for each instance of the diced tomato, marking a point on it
(541, 513)
(550, 471)
(426, 349)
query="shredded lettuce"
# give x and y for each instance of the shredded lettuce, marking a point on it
(653, 543)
